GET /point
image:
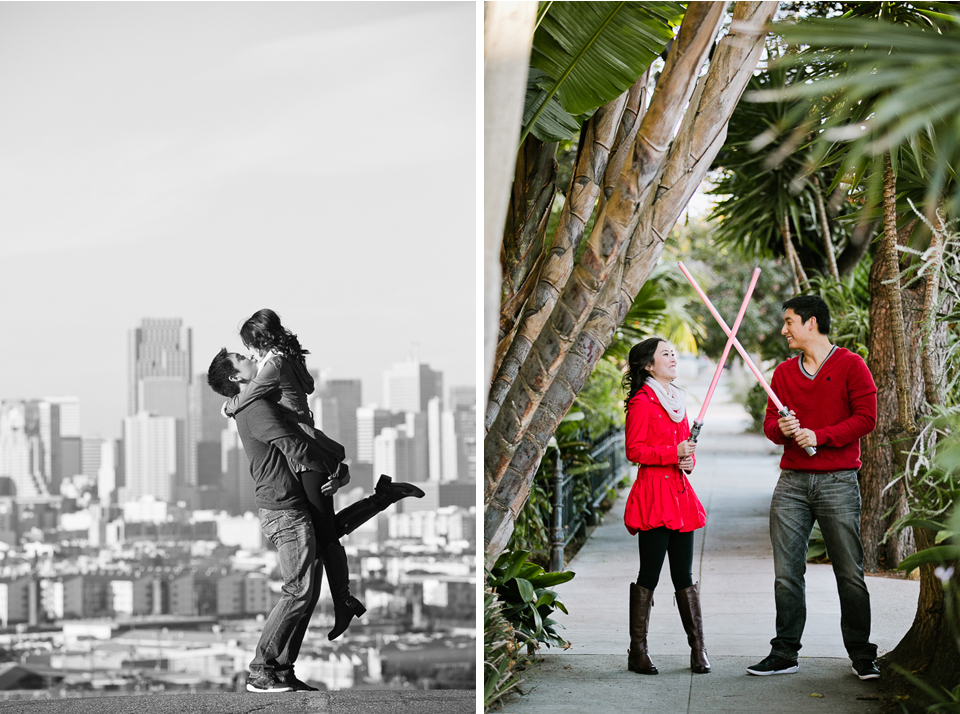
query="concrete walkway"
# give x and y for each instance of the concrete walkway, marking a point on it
(735, 477)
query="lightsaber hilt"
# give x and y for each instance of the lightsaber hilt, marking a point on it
(695, 431)
(784, 412)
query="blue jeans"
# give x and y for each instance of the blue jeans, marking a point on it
(833, 500)
(291, 531)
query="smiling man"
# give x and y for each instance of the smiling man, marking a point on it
(833, 404)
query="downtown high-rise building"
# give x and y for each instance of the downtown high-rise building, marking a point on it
(150, 457)
(159, 357)
(409, 387)
(22, 448)
(334, 406)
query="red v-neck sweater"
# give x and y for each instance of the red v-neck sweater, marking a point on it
(839, 404)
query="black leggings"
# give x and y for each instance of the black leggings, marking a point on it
(658, 542)
(320, 506)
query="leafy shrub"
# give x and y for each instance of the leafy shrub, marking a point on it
(503, 658)
(523, 588)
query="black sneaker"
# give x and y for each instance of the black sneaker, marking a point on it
(866, 668)
(266, 683)
(298, 686)
(774, 665)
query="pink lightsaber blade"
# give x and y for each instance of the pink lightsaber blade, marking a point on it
(698, 424)
(743, 353)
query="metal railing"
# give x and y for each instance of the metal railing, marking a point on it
(570, 522)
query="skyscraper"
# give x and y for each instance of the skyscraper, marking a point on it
(150, 457)
(344, 398)
(21, 447)
(206, 423)
(409, 386)
(158, 348)
(159, 363)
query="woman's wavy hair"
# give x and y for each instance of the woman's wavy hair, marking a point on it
(640, 358)
(263, 331)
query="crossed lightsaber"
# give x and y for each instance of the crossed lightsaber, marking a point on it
(732, 341)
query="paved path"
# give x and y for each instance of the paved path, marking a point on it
(733, 561)
(347, 702)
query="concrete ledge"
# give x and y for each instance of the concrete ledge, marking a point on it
(346, 702)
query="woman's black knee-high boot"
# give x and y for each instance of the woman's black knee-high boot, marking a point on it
(688, 603)
(641, 600)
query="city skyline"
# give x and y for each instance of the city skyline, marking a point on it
(203, 161)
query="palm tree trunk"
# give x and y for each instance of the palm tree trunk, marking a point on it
(825, 230)
(601, 131)
(799, 275)
(522, 251)
(507, 35)
(931, 308)
(614, 226)
(699, 139)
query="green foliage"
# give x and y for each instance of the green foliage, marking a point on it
(895, 64)
(528, 602)
(503, 658)
(589, 53)
(849, 303)
(763, 179)
(756, 406)
(725, 275)
(663, 306)
(600, 400)
(817, 547)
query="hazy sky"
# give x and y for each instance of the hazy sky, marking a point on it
(205, 160)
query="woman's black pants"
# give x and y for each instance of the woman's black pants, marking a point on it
(657, 543)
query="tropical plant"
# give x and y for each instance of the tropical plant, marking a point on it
(528, 602)
(585, 56)
(503, 658)
(637, 164)
(572, 445)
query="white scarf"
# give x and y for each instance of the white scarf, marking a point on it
(671, 399)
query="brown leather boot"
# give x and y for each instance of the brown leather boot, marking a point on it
(688, 603)
(641, 600)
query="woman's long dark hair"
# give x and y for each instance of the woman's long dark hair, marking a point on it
(263, 331)
(640, 358)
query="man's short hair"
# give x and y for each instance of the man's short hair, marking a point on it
(219, 374)
(807, 306)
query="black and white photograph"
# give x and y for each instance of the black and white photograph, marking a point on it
(238, 396)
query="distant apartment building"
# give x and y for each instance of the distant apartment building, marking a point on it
(243, 594)
(15, 600)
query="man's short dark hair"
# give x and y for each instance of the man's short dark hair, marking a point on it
(219, 374)
(807, 306)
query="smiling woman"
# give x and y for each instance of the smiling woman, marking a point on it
(662, 509)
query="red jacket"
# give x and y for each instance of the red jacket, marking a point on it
(661, 495)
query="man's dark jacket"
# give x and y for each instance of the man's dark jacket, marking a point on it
(269, 442)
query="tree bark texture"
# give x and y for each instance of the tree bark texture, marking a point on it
(591, 162)
(879, 466)
(891, 260)
(534, 188)
(825, 230)
(929, 648)
(614, 226)
(507, 35)
(648, 216)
